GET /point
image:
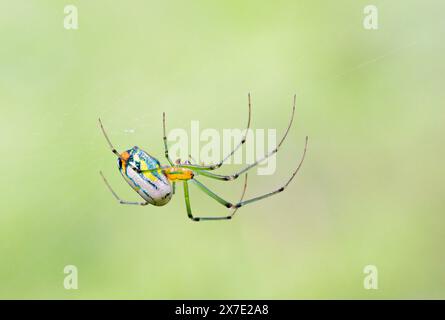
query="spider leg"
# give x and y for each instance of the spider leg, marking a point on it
(219, 164)
(191, 159)
(117, 197)
(241, 202)
(237, 174)
(242, 195)
(165, 140)
(114, 150)
(216, 197)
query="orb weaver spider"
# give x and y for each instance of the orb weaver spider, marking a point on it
(156, 183)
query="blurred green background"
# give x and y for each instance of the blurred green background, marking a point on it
(369, 193)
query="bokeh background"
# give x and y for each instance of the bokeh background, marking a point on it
(369, 193)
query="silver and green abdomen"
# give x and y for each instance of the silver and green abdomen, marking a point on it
(154, 187)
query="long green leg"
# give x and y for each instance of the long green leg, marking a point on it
(214, 196)
(242, 203)
(243, 140)
(117, 197)
(245, 169)
(236, 175)
(165, 140)
(191, 159)
(219, 164)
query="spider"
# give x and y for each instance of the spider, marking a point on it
(155, 183)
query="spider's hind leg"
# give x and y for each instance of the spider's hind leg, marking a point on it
(114, 150)
(117, 197)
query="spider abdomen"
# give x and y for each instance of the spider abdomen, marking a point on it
(152, 186)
